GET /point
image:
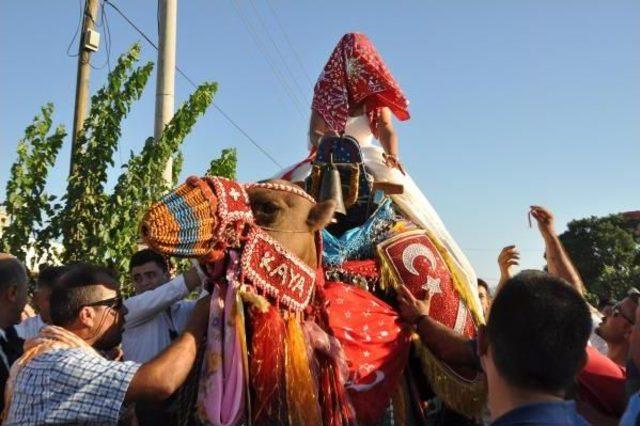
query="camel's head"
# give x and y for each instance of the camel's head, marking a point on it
(204, 217)
(267, 229)
(290, 216)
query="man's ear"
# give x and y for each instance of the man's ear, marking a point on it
(86, 316)
(12, 293)
(321, 214)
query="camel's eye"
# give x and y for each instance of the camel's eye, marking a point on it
(265, 211)
(269, 208)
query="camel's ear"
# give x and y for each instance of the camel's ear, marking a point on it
(321, 214)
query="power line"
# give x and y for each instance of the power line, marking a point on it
(219, 109)
(108, 31)
(104, 25)
(278, 51)
(75, 34)
(256, 39)
(286, 37)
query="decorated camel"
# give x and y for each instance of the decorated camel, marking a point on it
(305, 334)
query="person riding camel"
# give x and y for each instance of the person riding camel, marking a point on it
(356, 95)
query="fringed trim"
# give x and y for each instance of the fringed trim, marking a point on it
(461, 395)
(254, 299)
(388, 277)
(302, 398)
(241, 333)
(462, 286)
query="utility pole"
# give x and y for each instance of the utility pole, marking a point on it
(84, 71)
(167, 11)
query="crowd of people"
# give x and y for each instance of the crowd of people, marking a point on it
(548, 356)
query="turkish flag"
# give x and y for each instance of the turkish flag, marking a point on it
(415, 262)
(375, 343)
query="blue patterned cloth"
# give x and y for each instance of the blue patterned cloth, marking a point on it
(357, 243)
(70, 386)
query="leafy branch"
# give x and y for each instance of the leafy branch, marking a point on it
(27, 203)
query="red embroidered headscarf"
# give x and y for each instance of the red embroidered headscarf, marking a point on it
(355, 74)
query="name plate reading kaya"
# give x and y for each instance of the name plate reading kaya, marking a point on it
(279, 274)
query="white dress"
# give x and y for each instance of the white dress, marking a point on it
(412, 201)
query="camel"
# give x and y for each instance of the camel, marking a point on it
(293, 219)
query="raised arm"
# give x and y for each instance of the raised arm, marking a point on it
(388, 138)
(507, 261)
(142, 307)
(317, 128)
(446, 344)
(157, 379)
(558, 261)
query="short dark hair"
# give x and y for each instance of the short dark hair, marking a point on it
(49, 274)
(141, 257)
(12, 272)
(76, 288)
(538, 331)
(483, 283)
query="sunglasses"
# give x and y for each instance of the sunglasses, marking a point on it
(617, 312)
(114, 303)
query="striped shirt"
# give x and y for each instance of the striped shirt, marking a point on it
(70, 386)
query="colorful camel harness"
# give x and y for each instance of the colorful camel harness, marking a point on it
(206, 216)
(210, 218)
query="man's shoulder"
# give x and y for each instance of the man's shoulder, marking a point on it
(63, 358)
(31, 322)
(29, 327)
(600, 364)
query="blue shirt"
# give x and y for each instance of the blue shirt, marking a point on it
(631, 416)
(70, 386)
(545, 413)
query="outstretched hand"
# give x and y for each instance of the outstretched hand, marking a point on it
(545, 220)
(411, 309)
(507, 260)
(393, 162)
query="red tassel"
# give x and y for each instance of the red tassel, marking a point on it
(266, 368)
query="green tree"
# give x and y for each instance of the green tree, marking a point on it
(226, 165)
(606, 254)
(141, 183)
(85, 203)
(27, 203)
(96, 225)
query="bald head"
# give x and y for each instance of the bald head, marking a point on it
(13, 289)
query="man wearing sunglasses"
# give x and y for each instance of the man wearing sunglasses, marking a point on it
(616, 327)
(63, 379)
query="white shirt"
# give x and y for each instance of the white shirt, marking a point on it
(595, 340)
(148, 323)
(30, 327)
